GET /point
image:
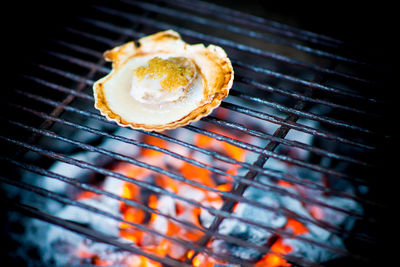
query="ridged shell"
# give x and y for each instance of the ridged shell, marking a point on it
(216, 72)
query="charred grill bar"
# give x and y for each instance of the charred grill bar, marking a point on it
(314, 85)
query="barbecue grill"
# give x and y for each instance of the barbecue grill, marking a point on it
(284, 173)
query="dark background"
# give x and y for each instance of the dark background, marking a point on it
(27, 25)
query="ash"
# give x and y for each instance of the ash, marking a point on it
(283, 202)
(60, 247)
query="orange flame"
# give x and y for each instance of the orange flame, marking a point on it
(85, 195)
(274, 260)
(284, 183)
(297, 227)
(163, 247)
(280, 248)
(94, 259)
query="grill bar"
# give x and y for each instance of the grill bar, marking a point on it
(91, 234)
(268, 88)
(49, 194)
(238, 63)
(276, 106)
(226, 195)
(237, 143)
(266, 136)
(81, 86)
(91, 36)
(228, 105)
(54, 86)
(296, 126)
(231, 239)
(245, 19)
(219, 156)
(258, 85)
(212, 39)
(279, 131)
(237, 30)
(114, 21)
(80, 62)
(275, 155)
(303, 114)
(158, 190)
(302, 82)
(58, 110)
(220, 122)
(61, 88)
(240, 188)
(252, 183)
(263, 101)
(93, 189)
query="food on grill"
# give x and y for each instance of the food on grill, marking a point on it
(162, 83)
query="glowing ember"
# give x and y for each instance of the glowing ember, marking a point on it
(168, 213)
(297, 227)
(170, 206)
(165, 206)
(183, 211)
(274, 260)
(92, 258)
(85, 195)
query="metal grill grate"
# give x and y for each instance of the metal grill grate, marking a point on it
(294, 80)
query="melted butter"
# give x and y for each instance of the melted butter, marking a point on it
(174, 72)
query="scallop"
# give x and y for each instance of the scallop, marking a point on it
(160, 82)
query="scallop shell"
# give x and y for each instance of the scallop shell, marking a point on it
(110, 92)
